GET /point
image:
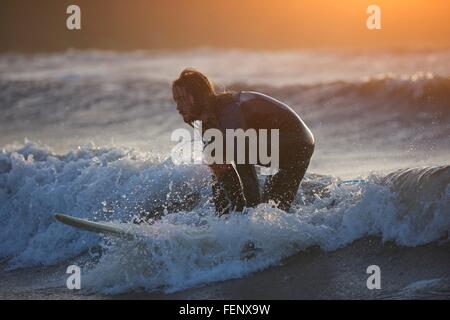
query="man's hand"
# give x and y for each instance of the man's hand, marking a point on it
(227, 189)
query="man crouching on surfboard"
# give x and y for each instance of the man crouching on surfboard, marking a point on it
(235, 185)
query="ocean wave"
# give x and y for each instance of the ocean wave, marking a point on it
(432, 289)
(412, 111)
(225, 66)
(420, 92)
(189, 245)
(95, 183)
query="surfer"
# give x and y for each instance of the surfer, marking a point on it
(235, 186)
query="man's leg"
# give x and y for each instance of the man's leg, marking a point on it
(282, 187)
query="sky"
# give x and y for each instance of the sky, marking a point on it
(40, 26)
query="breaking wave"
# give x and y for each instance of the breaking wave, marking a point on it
(189, 245)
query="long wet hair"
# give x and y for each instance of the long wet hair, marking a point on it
(206, 100)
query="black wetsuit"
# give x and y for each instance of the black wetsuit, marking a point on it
(239, 187)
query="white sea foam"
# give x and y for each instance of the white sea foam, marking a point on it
(365, 117)
(187, 248)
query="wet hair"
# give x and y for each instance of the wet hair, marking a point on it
(206, 100)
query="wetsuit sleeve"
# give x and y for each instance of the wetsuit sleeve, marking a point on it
(233, 118)
(226, 189)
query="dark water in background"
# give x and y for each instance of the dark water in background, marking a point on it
(98, 126)
(369, 112)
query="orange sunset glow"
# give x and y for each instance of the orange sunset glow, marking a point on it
(260, 24)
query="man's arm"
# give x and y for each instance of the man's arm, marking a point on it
(240, 187)
(227, 189)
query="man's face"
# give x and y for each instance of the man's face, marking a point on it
(185, 104)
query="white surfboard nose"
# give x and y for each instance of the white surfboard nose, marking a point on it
(105, 228)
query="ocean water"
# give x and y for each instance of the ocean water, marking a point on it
(87, 133)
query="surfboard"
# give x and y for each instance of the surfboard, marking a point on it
(105, 228)
(248, 251)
